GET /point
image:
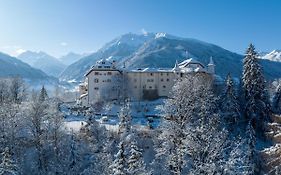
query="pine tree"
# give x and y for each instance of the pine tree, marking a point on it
(119, 165)
(43, 94)
(229, 103)
(125, 120)
(251, 159)
(276, 101)
(256, 95)
(7, 166)
(136, 164)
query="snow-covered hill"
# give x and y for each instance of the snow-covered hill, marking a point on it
(275, 55)
(41, 60)
(162, 50)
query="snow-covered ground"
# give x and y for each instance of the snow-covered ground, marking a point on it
(143, 113)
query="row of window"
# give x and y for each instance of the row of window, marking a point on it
(108, 73)
(150, 87)
(96, 80)
(152, 80)
(107, 67)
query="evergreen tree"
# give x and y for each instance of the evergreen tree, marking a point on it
(43, 94)
(125, 119)
(136, 164)
(276, 101)
(229, 103)
(119, 165)
(257, 107)
(7, 166)
(251, 153)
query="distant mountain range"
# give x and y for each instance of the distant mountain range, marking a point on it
(135, 51)
(47, 63)
(162, 50)
(70, 58)
(41, 60)
(11, 67)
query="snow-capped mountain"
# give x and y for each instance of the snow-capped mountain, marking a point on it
(41, 60)
(275, 55)
(71, 57)
(162, 50)
(11, 66)
(119, 48)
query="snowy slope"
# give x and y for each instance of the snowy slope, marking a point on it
(41, 60)
(275, 55)
(121, 47)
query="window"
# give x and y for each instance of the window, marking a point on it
(99, 66)
(96, 80)
(150, 87)
(96, 73)
(161, 74)
(108, 80)
(109, 73)
(103, 62)
(164, 86)
(107, 67)
(150, 80)
(151, 74)
(96, 88)
(136, 87)
(168, 79)
(167, 74)
(162, 79)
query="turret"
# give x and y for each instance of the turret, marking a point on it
(176, 67)
(211, 66)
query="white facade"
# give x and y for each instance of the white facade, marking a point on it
(105, 82)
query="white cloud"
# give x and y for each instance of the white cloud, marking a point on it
(63, 44)
(20, 51)
(13, 50)
(144, 32)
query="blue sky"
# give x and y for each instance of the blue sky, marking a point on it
(60, 26)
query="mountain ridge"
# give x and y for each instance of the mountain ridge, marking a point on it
(11, 67)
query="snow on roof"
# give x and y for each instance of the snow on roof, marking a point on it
(150, 70)
(189, 61)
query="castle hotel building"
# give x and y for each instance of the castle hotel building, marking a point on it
(104, 81)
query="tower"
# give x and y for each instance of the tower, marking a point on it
(211, 66)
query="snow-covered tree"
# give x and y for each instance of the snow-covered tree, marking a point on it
(125, 119)
(17, 90)
(192, 134)
(237, 157)
(118, 167)
(252, 163)
(4, 92)
(136, 163)
(276, 101)
(229, 103)
(43, 94)
(257, 107)
(37, 117)
(7, 165)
